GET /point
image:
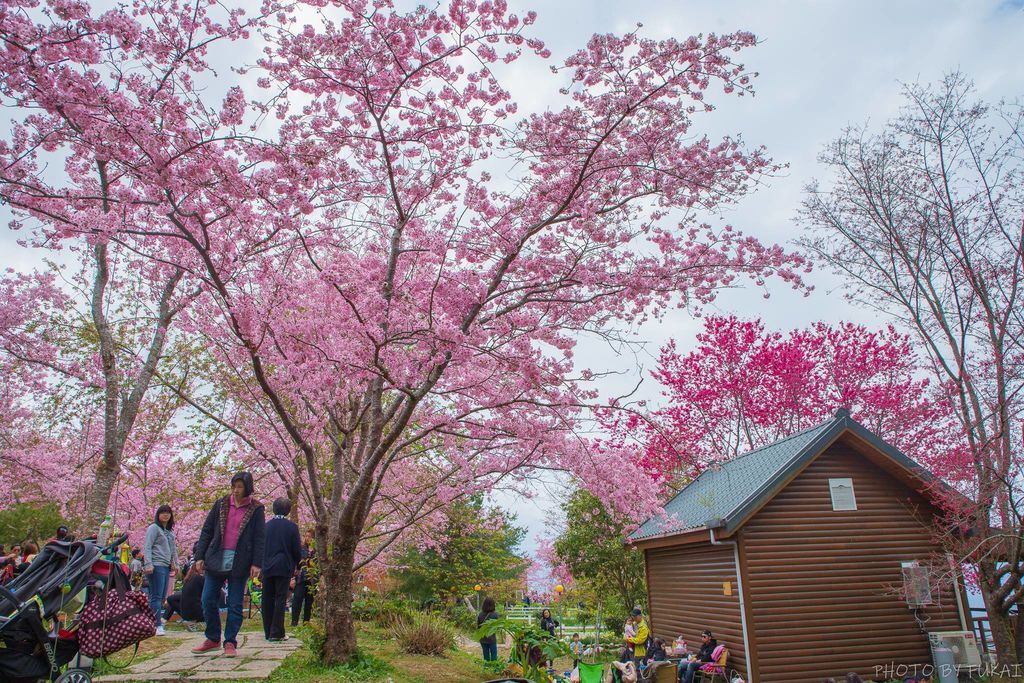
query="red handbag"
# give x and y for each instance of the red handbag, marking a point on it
(115, 618)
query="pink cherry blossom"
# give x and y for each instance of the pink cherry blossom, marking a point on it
(389, 267)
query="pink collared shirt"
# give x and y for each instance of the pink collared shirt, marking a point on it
(234, 527)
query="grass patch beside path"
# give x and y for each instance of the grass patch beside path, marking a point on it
(148, 649)
(381, 659)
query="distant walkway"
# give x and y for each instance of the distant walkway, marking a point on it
(256, 659)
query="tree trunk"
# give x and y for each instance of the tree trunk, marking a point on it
(1018, 629)
(110, 463)
(336, 602)
(292, 494)
(99, 495)
(1006, 635)
(1001, 623)
(1002, 638)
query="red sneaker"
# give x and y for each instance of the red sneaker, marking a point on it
(229, 650)
(206, 646)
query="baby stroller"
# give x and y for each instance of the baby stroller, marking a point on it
(39, 608)
(254, 591)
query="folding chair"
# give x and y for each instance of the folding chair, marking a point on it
(591, 673)
(715, 671)
(659, 672)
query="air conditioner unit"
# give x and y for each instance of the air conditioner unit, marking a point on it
(963, 645)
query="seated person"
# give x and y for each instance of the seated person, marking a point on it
(657, 652)
(534, 655)
(8, 563)
(188, 601)
(624, 671)
(687, 669)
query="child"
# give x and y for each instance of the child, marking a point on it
(576, 648)
(656, 653)
(629, 631)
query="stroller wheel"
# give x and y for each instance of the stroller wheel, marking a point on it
(74, 676)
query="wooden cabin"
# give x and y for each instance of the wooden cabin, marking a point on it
(806, 558)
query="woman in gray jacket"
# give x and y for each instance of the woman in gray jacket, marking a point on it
(161, 553)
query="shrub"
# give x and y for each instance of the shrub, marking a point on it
(362, 667)
(302, 666)
(464, 619)
(364, 610)
(391, 611)
(381, 611)
(424, 634)
(614, 623)
(30, 522)
(312, 635)
(498, 666)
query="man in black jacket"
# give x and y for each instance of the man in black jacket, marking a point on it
(686, 669)
(230, 548)
(281, 555)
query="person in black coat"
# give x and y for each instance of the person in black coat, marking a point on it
(686, 670)
(489, 644)
(549, 624)
(305, 586)
(281, 555)
(188, 602)
(229, 549)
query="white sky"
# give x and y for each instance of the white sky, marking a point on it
(823, 65)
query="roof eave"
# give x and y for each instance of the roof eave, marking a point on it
(739, 515)
(670, 537)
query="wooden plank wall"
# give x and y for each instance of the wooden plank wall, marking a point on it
(686, 596)
(820, 581)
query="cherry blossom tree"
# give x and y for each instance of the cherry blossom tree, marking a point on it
(52, 434)
(743, 387)
(401, 264)
(49, 61)
(925, 221)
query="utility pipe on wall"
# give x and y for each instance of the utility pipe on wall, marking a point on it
(715, 524)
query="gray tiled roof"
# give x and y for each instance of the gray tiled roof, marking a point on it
(721, 492)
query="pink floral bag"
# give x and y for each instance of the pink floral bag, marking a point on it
(114, 619)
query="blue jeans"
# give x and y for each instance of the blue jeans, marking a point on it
(686, 670)
(158, 591)
(211, 607)
(490, 651)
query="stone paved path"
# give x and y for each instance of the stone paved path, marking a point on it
(256, 659)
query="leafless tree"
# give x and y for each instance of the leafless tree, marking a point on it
(925, 220)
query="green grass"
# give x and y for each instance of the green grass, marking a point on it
(304, 666)
(381, 659)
